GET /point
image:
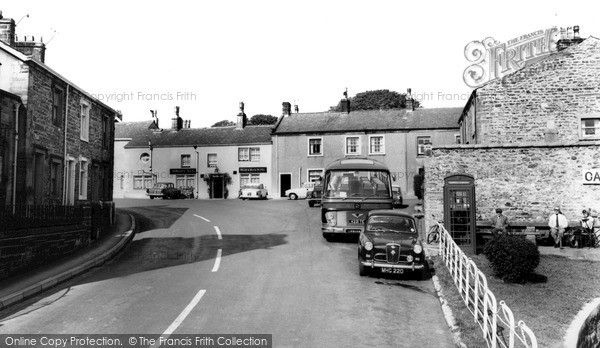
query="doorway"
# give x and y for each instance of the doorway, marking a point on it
(285, 183)
(216, 185)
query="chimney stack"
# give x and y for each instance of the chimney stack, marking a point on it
(287, 109)
(410, 102)
(176, 122)
(7, 31)
(296, 110)
(568, 38)
(33, 49)
(241, 117)
(345, 103)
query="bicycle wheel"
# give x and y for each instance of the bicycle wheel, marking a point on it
(434, 234)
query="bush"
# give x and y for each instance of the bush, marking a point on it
(513, 258)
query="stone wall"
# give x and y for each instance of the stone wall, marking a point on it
(561, 89)
(525, 181)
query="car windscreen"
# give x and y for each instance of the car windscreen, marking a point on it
(399, 224)
(345, 184)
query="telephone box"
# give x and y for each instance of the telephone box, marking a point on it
(459, 209)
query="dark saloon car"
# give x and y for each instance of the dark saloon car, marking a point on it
(397, 194)
(165, 190)
(390, 243)
(315, 195)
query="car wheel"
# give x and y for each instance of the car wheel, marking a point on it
(311, 204)
(362, 270)
(151, 197)
(293, 196)
(328, 236)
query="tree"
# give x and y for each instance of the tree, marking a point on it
(262, 119)
(224, 123)
(375, 100)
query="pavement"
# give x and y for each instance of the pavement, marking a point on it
(20, 287)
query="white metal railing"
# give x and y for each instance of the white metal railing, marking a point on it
(496, 321)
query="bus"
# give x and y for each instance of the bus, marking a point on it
(351, 187)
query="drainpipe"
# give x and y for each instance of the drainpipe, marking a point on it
(65, 161)
(14, 188)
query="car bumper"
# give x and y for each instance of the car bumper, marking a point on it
(377, 264)
(344, 230)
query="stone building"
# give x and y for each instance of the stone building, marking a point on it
(305, 143)
(212, 162)
(65, 136)
(531, 140)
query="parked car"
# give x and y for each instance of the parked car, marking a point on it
(315, 195)
(300, 192)
(397, 196)
(166, 190)
(390, 243)
(257, 191)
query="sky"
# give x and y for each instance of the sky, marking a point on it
(208, 56)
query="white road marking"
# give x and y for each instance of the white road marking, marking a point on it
(203, 218)
(217, 261)
(181, 317)
(218, 232)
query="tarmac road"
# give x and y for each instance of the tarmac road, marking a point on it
(232, 267)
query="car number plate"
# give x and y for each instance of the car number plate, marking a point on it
(356, 221)
(392, 270)
(249, 194)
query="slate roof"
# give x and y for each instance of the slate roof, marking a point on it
(369, 120)
(215, 136)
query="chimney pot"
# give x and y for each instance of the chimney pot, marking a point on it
(287, 108)
(177, 110)
(296, 108)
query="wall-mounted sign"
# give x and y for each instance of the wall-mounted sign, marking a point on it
(591, 176)
(244, 170)
(182, 171)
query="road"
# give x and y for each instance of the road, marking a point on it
(231, 266)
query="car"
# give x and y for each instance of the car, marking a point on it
(166, 190)
(253, 190)
(300, 192)
(390, 243)
(397, 196)
(315, 195)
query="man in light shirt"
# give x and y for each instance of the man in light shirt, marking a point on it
(558, 222)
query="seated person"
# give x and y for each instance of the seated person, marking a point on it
(499, 223)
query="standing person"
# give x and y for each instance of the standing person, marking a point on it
(588, 223)
(499, 223)
(557, 223)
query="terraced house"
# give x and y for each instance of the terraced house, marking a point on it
(208, 162)
(56, 155)
(304, 143)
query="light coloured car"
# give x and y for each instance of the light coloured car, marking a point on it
(300, 192)
(253, 191)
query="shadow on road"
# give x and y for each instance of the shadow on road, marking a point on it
(154, 217)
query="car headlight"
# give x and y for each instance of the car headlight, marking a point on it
(330, 217)
(369, 246)
(417, 248)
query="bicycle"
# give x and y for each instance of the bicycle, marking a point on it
(433, 236)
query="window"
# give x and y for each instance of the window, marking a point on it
(142, 182)
(106, 130)
(211, 160)
(83, 178)
(315, 174)
(55, 177)
(85, 121)
(246, 154)
(376, 145)
(249, 179)
(314, 147)
(185, 181)
(423, 144)
(58, 105)
(457, 138)
(352, 145)
(186, 161)
(590, 127)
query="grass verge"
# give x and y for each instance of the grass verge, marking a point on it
(546, 307)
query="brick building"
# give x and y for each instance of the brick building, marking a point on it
(305, 143)
(202, 159)
(531, 140)
(65, 136)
